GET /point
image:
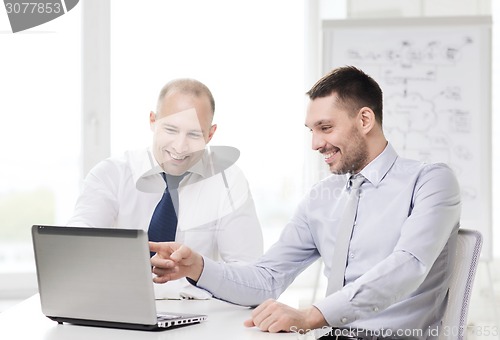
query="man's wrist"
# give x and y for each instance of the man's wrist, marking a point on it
(197, 269)
(314, 318)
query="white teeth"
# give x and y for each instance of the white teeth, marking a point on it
(328, 155)
(179, 158)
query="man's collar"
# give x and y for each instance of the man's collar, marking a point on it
(202, 167)
(213, 161)
(150, 166)
(376, 170)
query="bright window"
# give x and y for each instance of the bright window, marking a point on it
(249, 53)
(40, 85)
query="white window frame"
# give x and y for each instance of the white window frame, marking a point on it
(95, 119)
(95, 82)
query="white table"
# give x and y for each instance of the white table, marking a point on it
(225, 321)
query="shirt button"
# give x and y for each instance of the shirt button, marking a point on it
(375, 309)
(351, 255)
(343, 320)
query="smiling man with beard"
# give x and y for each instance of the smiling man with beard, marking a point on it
(384, 226)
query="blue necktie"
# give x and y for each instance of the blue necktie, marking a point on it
(163, 225)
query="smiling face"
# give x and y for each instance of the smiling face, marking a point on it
(337, 135)
(181, 129)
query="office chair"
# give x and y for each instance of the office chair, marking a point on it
(469, 244)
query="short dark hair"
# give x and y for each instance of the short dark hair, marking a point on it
(354, 88)
(188, 86)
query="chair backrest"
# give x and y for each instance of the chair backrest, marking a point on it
(468, 250)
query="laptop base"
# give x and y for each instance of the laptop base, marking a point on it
(163, 325)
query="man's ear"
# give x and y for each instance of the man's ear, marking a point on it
(367, 119)
(152, 120)
(211, 132)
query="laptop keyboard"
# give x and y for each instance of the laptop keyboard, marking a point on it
(166, 317)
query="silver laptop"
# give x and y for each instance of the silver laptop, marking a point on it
(99, 277)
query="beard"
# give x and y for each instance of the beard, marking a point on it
(354, 156)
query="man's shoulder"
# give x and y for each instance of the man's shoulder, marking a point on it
(434, 176)
(122, 162)
(439, 174)
(412, 166)
(437, 168)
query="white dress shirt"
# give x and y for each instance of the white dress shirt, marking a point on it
(217, 216)
(400, 254)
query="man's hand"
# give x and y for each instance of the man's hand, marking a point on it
(174, 261)
(273, 317)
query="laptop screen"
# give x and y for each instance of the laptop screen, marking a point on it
(94, 274)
